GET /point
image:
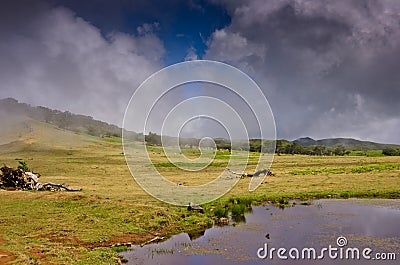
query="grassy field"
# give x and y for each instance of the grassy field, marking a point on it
(79, 227)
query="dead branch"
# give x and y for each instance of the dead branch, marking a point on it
(243, 174)
(17, 179)
(54, 186)
(155, 239)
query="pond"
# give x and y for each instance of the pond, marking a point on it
(353, 231)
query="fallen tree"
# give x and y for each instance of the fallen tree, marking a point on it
(18, 179)
(264, 172)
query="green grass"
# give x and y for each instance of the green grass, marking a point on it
(120, 248)
(187, 164)
(238, 209)
(246, 201)
(364, 169)
(361, 169)
(368, 153)
(75, 228)
(220, 212)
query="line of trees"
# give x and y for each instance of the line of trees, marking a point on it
(391, 152)
(286, 147)
(255, 145)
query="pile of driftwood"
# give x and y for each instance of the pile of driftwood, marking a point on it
(18, 179)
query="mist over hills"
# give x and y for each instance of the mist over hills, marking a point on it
(13, 116)
(10, 109)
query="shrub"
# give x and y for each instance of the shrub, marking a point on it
(23, 166)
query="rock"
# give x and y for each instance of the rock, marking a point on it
(194, 207)
(223, 221)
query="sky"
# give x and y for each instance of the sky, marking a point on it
(328, 68)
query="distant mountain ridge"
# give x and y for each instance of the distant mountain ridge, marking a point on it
(348, 143)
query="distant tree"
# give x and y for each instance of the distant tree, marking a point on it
(279, 147)
(339, 150)
(293, 148)
(391, 152)
(255, 145)
(307, 150)
(296, 148)
(288, 149)
(153, 139)
(319, 150)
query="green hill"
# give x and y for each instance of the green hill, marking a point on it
(64, 120)
(23, 126)
(347, 143)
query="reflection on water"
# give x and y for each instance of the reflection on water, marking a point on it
(196, 234)
(365, 223)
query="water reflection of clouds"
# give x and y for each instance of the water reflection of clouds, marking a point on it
(364, 225)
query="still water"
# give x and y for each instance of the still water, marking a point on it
(373, 224)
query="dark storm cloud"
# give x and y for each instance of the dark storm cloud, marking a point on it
(329, 68)
(52, 57)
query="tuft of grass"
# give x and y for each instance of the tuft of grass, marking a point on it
(120, 248)
(245, 200)
(238, 209)
(221, 212)
(283, 201)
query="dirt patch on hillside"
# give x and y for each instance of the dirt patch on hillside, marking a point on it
(61, 237)
(5, 256)
(39, 254)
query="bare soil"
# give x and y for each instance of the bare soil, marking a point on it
(5, 256)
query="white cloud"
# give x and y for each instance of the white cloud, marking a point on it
(56, 59)
(191, 55)
(147, 28)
